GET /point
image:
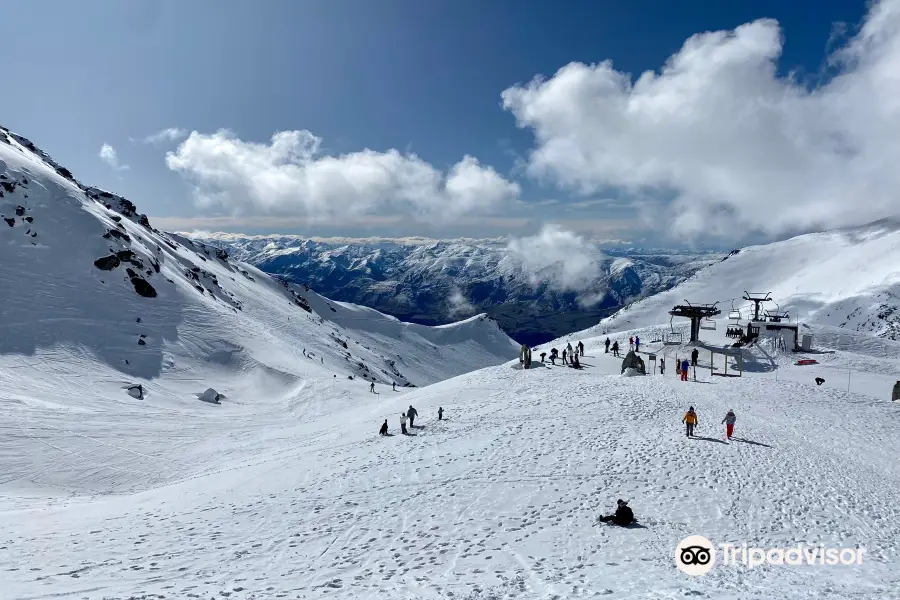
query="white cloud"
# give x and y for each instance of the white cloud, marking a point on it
(109, 156)
(733, 144)
(291, 176)
(558, 258)
(171, 134)
(459, 304)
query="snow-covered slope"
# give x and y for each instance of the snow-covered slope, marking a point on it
(285, 490)
(848, 279)
(95, 300)
(432, 281)
(499, 500)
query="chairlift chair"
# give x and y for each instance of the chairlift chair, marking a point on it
(708, 324)
(734, 315)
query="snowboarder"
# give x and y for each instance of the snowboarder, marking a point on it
(565, 359)
(631, 342)
(570, 349)
(662, 366)
(394, 386)
(553, 355)
(384, 428)
(694, 356)
(615, 348)
(403, 424)
(581, 348)
(411, 413)
(690, 419)
(440, 413)
(543, 354)
(607, 345)
(820, 381)
(729, 420)
(623, 516)
(372, 387)
(576, 364)
(637, 344)
(684, 369)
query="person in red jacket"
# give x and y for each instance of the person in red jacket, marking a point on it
(729, 420)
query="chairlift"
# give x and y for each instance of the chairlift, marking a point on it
(734, 315)
(708, 324)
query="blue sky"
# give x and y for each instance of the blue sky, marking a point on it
(428, 78)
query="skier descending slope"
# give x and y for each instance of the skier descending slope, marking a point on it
(690, 419)
(729, 420)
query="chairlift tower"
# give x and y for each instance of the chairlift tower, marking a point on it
(756, 299)
(696, 313)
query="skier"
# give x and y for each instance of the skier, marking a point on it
(729, 420)
(372, 387)
(637, 344)
(383, 430)
(394, 386)
(565, 360)
(403, 424)
(576, 364)
(581, 348)
(615, 348)
(694, 356)
(690, 419)
(623, 516)
(607, 345)
(553, 356)
(411, 413)
(440, 413)
(543, 354)
(684, 369)
(569, 348)
(631, 342)
(662, 366)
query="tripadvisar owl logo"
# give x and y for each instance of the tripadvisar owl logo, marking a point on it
(695, 555)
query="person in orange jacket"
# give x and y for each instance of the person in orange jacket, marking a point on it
(690, 419)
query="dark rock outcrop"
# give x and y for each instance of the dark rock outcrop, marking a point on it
(107, 263)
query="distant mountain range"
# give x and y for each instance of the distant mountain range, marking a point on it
(435, 282)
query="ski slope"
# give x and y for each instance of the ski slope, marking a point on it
(848, 279)
(285, 490)
(74, 336)
(500, 500)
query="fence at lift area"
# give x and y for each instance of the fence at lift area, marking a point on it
(876, 385)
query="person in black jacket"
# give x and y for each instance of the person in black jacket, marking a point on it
(623, 515)
(384, 428)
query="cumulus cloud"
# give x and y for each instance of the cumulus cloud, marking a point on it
(717, 142)
(109, 156)
(557, 258)
(458, 304)
(170, 134)
(291, 176)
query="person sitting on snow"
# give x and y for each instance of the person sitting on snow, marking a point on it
(384, 428)
(623, 516)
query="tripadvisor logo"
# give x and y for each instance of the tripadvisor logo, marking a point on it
(696, 555)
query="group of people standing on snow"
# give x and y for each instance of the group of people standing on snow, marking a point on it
(570, 355)
(690, 420)
(410, 415)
